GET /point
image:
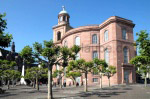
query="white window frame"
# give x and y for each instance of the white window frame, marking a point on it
(106, 55)
(77, 40)
(94, 39)
(106, 35)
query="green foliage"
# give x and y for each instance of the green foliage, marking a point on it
(5, 64)
(142, 63)
(72, 75)
(67, 54)
(143, 43)
(27, 55)
(50, 52)
(35, 72)
(58, 73)
(80, 65)
(14, 74)
(7, 71)
(99, 65)
(5, 38)
(110, 71)
(75, 50)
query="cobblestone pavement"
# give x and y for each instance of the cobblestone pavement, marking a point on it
(136, 91)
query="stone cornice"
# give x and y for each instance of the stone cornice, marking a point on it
(95, 28)
(81, 29)
(56, 26)
(117, 20)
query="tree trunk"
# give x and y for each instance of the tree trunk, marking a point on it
(8, 84)
(37, 83)
(101, 81)
(60, 83)
(85, 86)
(50, 94)
(145, 81)
(34, 84)
(109, 81)
(12, 82)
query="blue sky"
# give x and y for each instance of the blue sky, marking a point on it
(32, 20)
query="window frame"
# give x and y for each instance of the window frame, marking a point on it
(58, 35)
(95, 80)
(76, 41)
(125, 55)
(94, 39)
(106, 37)
(124, 36)
(94, 55)
(106, 55)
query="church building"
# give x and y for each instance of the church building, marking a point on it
(111, 40)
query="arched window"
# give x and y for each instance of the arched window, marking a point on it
(106, 55)
(124, 34)
(58, 36)
(77, 41)
(106, 35)
(95, 54)
(125, 54)
(94, 39)
(65, 44)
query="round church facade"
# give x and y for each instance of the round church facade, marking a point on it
(111, 40)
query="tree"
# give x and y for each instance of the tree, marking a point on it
(15, 75)
(60, 74)
(100, 67)
(67, 54)
(143, 66)
(51, 54)
(30, 76)
(73, 75)
(5, 38)
(7, 71)
(35, 73)
(143, 43)
(110, 71)
(81, 66)
(27, 55)
(142, 62)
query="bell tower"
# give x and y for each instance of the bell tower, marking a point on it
(63, 17)
(63, 25)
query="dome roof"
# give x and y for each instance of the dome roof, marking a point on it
(63, 11)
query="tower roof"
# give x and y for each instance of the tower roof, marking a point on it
(63, 11)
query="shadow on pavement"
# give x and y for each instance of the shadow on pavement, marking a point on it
(6, 94)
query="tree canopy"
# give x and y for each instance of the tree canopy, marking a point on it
(5, 38)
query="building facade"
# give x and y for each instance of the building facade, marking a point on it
(111, 40)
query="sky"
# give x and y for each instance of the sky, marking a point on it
(31, 21)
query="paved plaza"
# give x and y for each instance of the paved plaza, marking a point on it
(116, 92)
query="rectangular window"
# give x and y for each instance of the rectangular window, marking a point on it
(94, 39)
(95, 54)
(124, 34)
(95, 79)
(106, 35)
